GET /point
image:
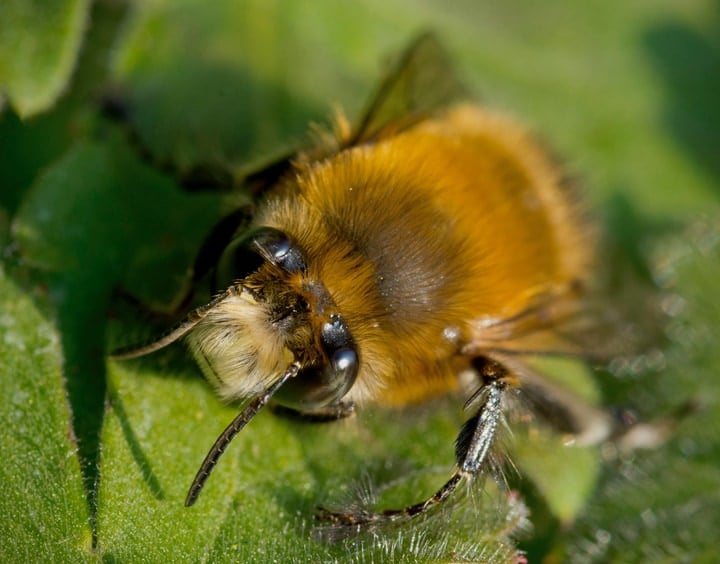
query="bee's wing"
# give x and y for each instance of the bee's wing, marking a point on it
(599, 327)
(421, 81)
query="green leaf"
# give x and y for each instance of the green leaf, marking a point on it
(625, 93)
(43, 508)
(661, 505)
(107, 187)
(39, 44)
(260, 501)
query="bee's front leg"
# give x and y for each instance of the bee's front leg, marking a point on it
(341, 410)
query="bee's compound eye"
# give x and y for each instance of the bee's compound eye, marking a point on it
(345, 362)
(327, 384)
(279, 249)
(335, 335)
(340, 348)
(321, 386)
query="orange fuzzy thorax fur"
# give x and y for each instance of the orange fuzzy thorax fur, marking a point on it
(420, 236)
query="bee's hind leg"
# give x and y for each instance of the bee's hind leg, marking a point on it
(473, 451)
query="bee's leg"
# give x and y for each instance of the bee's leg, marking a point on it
(472, 450)
(327, 414)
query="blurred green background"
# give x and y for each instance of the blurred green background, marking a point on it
(98, 454)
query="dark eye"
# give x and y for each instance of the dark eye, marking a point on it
(335, 335)
(320, 386)
(277, 248)
(246, 253)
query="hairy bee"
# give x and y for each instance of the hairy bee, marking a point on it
(434, 239)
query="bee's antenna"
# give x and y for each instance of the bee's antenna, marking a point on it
(237, 425)
(192, 319)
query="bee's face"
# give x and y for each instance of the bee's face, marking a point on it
(276, 316)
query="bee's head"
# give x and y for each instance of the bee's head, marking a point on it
(273, 316)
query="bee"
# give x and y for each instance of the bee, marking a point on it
(434, 242)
